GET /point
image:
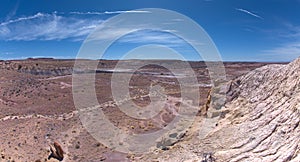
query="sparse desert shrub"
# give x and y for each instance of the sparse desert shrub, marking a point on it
(98, 144)
(77, 146)
(19, 67)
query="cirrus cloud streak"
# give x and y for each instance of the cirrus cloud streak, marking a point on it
(43, 26)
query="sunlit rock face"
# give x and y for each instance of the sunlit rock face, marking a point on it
(261, 122)
(264, 116)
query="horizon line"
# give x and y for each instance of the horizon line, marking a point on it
(72, 59)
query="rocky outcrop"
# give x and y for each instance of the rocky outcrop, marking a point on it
(35, 69)
(56, 151)
(261, 122)
(51, 72)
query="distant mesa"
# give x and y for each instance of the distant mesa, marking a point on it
(40, 58)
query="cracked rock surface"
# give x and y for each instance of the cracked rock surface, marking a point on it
(261, 123)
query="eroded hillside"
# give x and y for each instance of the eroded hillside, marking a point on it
(260, 121)
(36, 109)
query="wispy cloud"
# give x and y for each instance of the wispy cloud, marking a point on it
(107, 12)
(291, 31)
(22, 19)
(149, 37)
(250, 13)
(61, 26)
(43, 26)
(6, 53)
(54, 26)
(13, 11)
(138, 35)
(286, 52)
(289, 49)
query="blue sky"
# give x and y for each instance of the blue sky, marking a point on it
(243, 30)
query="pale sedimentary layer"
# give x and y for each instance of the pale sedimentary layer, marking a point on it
(261, 122)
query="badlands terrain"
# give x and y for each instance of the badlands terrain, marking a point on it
(258, 122)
